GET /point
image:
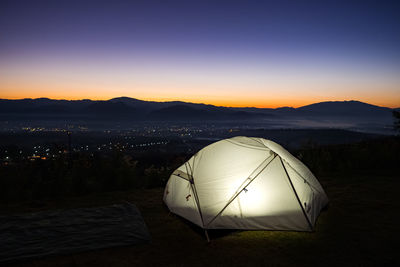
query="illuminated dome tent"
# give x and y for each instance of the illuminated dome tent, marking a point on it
(245, 183)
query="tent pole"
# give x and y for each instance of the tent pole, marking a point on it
(243, 187)
(297, 196)
(208, 238)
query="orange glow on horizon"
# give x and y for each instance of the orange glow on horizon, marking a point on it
(267, 97)
(225, 90)
(232, 102)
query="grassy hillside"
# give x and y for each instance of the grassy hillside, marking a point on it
(359, 228)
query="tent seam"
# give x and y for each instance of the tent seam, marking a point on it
(297, 197)
(238, 193)
(247, 146)
(193, 186)
(311, 185)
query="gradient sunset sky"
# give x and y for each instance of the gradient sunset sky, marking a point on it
(232, 53)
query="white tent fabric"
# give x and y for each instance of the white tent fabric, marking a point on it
(245, 183)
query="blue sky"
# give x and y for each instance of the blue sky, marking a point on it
(252, 53)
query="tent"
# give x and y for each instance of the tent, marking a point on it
(245, 183)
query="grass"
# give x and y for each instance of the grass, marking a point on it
(359, 228)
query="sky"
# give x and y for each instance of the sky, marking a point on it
(230, 53)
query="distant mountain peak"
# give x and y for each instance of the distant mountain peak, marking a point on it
(125, 98)
(342, 102)
(352, 108)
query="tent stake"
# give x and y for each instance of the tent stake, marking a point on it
(208, 238)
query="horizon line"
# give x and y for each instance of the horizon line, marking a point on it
(199, 103)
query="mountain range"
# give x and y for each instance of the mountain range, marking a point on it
(125, 108)
(125, 113)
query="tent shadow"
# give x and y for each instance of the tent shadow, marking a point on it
(221, 233)
(212, 233)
